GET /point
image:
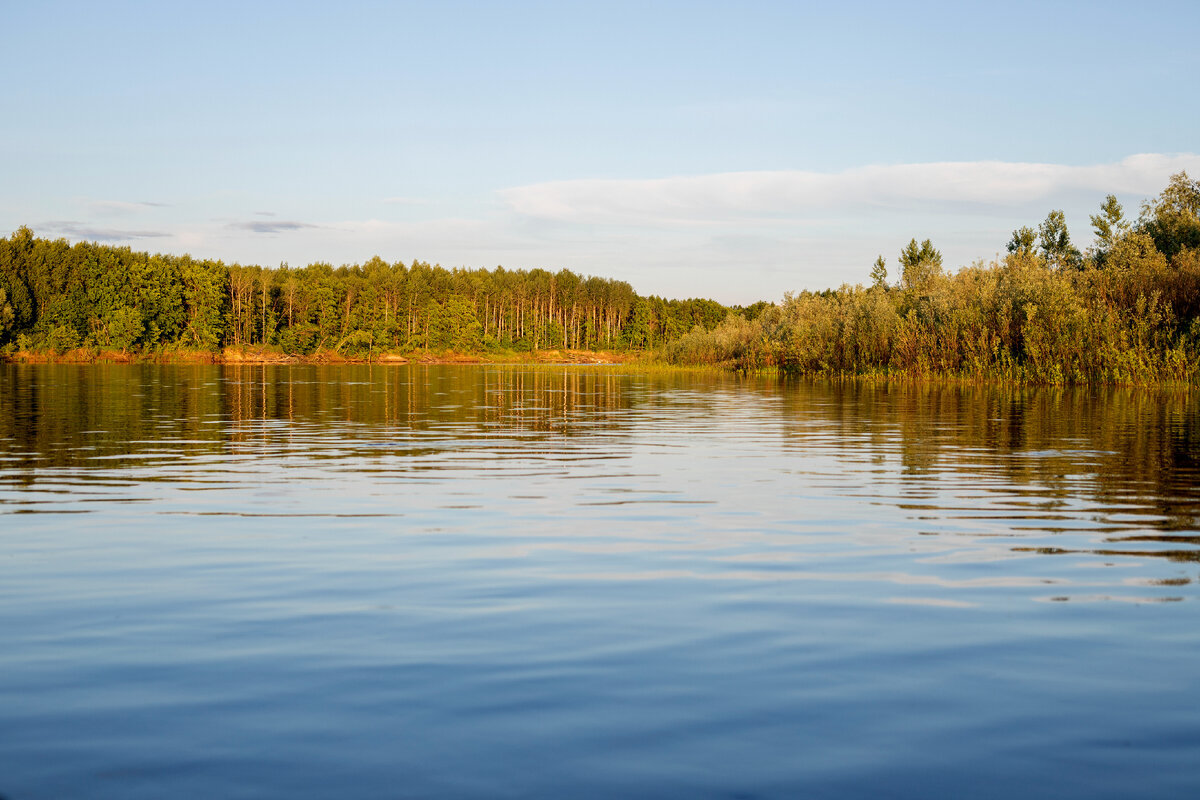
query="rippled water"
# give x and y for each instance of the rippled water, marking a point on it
(589, 582)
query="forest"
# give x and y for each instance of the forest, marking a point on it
(1125, 310)
(62, 298)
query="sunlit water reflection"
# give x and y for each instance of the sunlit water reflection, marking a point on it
(589, 582)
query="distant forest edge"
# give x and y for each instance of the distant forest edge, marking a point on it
(64, 298)
(1126, 310)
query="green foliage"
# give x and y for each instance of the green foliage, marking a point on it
(7, 315)
(919, 265)
(15, 257)
(203, 285)
(1055, 242)
(61, 338)
(120, 328)
(1032, 317)
(298, 338)
(1172, 220)
(453, 325)
(752, 311)
(1023, 240)
(879, 273)
(1017, 320)
(733, 343)
(356, 343)
(1109, 226)
(639, 331)
(60, 294)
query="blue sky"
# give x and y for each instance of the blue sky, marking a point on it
(726, 150)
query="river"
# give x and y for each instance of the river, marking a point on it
(486, 581)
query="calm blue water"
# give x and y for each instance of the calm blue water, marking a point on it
(586, 582)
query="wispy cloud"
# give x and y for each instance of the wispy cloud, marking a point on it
(986, 186)
(270, 226)
(119, 208)
(404, 201)
(80, 230)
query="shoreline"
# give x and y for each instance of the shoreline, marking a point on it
(252, 356)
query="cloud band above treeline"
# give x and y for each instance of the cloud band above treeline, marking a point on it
(776, 231)
(787, 194)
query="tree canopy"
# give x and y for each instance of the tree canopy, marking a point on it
(61, 296)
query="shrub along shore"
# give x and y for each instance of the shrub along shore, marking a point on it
(1125, 311)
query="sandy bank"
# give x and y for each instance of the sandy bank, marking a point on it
(255, 356)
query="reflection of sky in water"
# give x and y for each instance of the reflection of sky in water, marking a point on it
(636, 573)
(774, 479)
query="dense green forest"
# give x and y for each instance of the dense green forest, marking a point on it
(55, 296)
(1125, 311)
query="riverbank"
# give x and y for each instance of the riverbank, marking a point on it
(260, 356)
(643, 361)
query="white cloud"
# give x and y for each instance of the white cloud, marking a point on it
(749, 197)
(741, 236)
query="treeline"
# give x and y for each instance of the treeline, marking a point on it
(1125, 311)
(60, 297)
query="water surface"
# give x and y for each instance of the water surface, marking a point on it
(412, 581)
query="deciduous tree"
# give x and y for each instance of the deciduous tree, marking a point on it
(1055, 242)
(919, 264)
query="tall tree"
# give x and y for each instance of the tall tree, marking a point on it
(919, 264)
(1110, 223)
(1023, 240)
(205, 286)
(879, 273)
(1055, 242)
(1173, 218)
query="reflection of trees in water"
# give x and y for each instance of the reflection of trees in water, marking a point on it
(68, 415)
(59, 415)
(1127, 550)
(1127, 451)
(1122, 448)
(469, 399)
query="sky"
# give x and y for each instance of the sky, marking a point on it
(735, 151)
